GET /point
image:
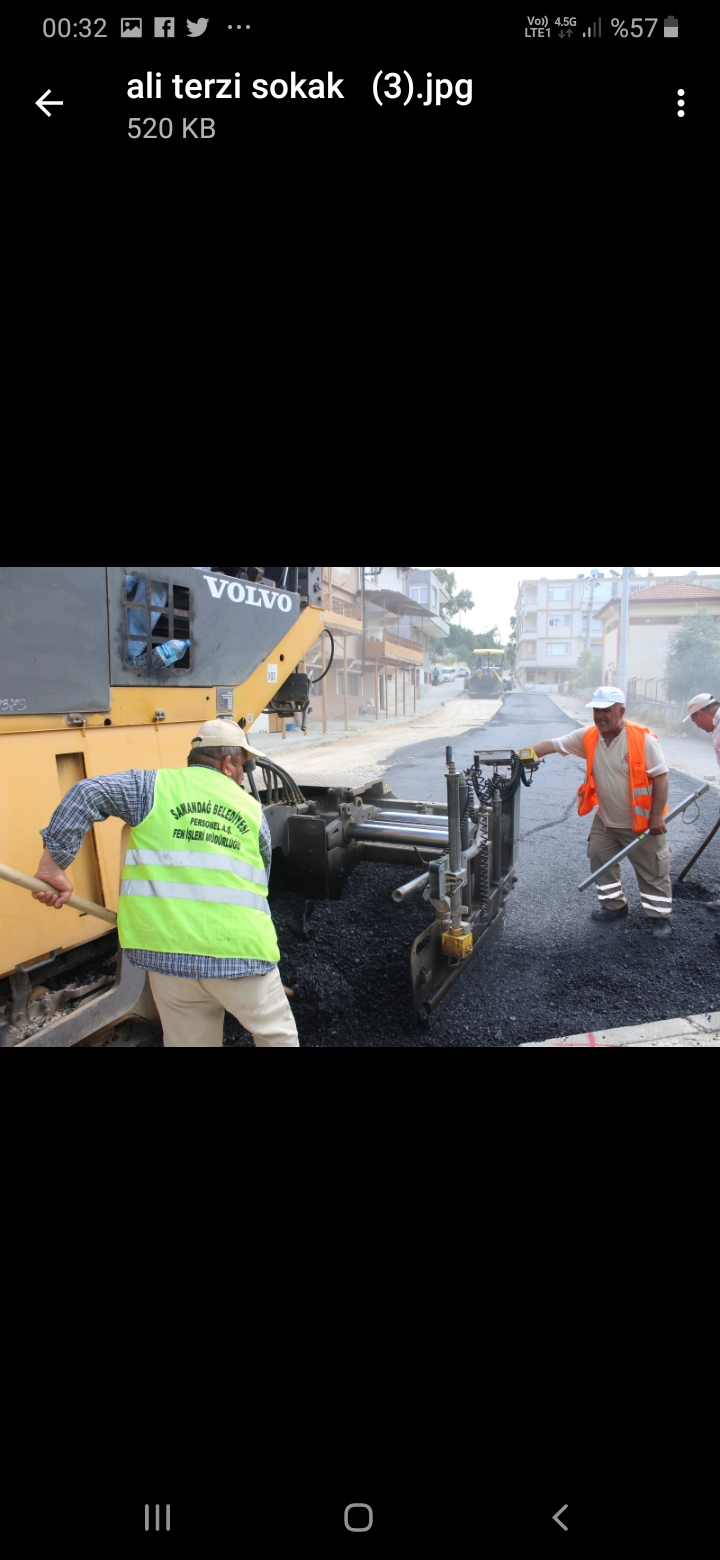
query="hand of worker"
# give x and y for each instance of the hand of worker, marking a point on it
(60, 887)
(656, 826)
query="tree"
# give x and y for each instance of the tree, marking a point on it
(448, 579)
(590, 669)
(463, 642)
(463, 602)
(693, 660)
(460, 601)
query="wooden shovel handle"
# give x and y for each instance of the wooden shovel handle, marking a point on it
(35, 886)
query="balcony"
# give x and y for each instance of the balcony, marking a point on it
(384, 646)
(343, 614)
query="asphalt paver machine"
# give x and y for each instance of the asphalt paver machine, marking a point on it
(104, 669)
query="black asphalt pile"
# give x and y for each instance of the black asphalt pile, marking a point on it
(348, 962)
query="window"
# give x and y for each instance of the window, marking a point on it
(157, 619)
(560, 593)
(560, 621)
(355, 684)
(421, 594)
(559, 649)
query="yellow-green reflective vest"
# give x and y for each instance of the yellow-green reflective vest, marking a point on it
(194, 880)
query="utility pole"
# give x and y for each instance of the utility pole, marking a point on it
(362, 575)
(624, 631)
(591, 609)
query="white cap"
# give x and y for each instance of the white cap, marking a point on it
(700, 702)
(224, 733)
(604, 698)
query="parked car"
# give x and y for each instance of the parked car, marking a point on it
(448, 675)
(463, 671)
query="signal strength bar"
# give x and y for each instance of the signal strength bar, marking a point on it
(595, 31)
(157, 1519)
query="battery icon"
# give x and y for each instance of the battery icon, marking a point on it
(671, 26)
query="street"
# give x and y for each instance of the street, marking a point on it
(548, 970)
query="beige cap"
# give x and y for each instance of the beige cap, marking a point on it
(224, 733)
(700, 702)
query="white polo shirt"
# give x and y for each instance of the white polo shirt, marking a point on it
(611, 772)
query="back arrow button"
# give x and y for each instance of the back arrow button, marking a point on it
(54, 102)
(557, 1517)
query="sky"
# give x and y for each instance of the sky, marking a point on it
(495, 590)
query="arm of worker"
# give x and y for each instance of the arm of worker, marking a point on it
(659, 777)
(570, 746)
(128, 796)
(265, 843)
(660, 790)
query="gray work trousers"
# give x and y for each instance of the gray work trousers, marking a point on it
(651, 861)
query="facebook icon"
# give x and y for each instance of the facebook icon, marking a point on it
(164, 26)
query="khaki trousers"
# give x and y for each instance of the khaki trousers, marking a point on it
(651, 861)
(193, 1011)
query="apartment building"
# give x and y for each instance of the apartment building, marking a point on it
(383, 622)
(555, 623)
(559, 618)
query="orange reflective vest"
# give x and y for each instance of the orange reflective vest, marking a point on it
(640, 782)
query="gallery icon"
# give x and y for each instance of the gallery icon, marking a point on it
(164, 26)
(196, 29)
(131, 27)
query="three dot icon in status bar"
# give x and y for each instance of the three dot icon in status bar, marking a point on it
(681, 103)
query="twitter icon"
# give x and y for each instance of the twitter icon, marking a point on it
(196, 29)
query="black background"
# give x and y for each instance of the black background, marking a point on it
(370, 270)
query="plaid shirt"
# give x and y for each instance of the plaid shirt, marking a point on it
(130, 796)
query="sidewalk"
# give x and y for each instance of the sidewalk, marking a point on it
(296, 743)
(691, 755)
(699, 1029)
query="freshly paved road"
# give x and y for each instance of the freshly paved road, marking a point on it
(548, 970)
(552, 970)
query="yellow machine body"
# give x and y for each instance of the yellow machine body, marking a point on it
(42, 756)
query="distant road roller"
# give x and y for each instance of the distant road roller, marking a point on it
(104, 669)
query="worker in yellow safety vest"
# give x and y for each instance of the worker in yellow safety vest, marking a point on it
(193, 906)
(627, 780)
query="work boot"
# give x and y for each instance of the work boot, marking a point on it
(609, 915)
(714, 905)
(661, 928)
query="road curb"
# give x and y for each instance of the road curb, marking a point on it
(569, 713)
(701, 1029)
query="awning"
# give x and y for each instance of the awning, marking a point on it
(401, 606)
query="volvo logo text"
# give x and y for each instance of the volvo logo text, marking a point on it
(252, 595)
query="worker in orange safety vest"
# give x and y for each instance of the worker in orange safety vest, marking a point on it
(627, 780)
